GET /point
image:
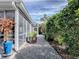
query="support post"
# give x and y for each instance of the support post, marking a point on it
(30, 28)
(26, 28)
(16, 29)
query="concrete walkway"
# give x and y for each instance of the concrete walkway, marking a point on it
(39, 50)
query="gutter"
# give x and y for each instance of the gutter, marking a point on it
(20, 6)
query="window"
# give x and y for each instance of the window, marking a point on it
(20, 24)
(1, 14)
(35, 29)
(10, 14)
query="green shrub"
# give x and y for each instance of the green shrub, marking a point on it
(67, 24)
(73, 50)
(59, 39)
(32, 34)
(73, 46)
(50, 29)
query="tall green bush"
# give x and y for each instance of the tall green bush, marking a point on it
(66, 23)
(50, 29)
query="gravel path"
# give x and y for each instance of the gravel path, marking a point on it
(39, 50)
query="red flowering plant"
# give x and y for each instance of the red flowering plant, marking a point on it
(6, 26)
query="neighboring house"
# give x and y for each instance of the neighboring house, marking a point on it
(15, 10)
(36, 28)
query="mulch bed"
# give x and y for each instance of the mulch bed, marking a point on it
(61, 51)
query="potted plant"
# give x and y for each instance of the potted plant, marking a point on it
(32, 37)
(6, 26)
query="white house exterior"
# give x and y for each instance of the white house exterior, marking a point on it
(23, 24)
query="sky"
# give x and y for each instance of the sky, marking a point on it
(37, 8)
